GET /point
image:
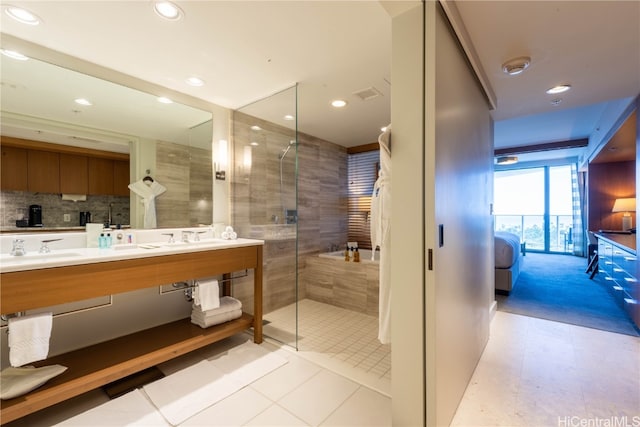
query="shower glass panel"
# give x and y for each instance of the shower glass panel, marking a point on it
(265, 203)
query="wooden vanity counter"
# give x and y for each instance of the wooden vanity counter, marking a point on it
(103, 363)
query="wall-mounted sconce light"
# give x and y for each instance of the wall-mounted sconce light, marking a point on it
(625, 205)
(246, 158)
(221, 164)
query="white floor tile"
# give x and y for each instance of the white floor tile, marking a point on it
(364, 408)
(235, 410)
(318, 397)
(286, 378)
(276, 416)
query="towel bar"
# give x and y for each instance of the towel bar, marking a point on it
(6, 317)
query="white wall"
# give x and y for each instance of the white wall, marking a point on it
(442, 174)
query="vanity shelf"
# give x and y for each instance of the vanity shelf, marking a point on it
(94, 366)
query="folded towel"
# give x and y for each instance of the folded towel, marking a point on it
(29, 338)
(207, 294)
(217, 319)
(226, 304)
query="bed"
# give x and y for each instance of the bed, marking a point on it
(508, 260)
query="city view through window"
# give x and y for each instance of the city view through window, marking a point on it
(536, 204)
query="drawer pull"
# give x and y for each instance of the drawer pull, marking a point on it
(631, 301)
(631, 279)
(618, 270)
(630, 258)
(617, 288)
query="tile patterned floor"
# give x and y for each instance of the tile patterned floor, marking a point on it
(342, 340)
(533, 373)
(536, 372)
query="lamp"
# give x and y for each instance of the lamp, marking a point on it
(507, 160)
(625, 205)
(222, 160)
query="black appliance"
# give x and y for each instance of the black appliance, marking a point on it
(85, 217)
(35, 216)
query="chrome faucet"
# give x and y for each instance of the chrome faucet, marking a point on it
(18, 248)
(185, 236)
(171, 240)
(110, 214)
(44, 249)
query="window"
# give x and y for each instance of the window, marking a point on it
(362, 174)
(536, 204)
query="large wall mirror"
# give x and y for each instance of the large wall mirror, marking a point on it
(171, 142)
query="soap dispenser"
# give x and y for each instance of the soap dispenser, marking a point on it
(356, 255)
(346, 254)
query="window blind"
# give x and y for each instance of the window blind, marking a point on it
(362, 175)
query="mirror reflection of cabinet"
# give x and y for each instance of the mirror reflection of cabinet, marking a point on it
(38, 167)
(74, 178)
(14, 169)
(43, 171)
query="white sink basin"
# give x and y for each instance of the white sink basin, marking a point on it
(35, 257)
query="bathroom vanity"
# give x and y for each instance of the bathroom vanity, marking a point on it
(78, 274)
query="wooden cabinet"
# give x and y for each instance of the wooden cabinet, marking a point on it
(43, 171)
(617, 261)
(14, 169)
(120, 178)
(74, 174)
(100, 176)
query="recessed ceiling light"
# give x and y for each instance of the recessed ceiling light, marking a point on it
(256, 128)
(507, 160)
(289, 117)
(83, 101)
(516, 65)
(195, 81)
(339, 103)
(167, 10)
(254, 144)
(14, 55)
(558, 89)
(164, 100)
(22, 15)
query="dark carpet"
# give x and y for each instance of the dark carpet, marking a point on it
(556, 287)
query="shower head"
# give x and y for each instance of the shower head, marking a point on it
(287, 148)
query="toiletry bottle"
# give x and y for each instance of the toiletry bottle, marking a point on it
(102, 243)
(356, 255)
(108, 240)
(346, 254)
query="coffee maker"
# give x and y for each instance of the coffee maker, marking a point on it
(35, 216)
(85, 217)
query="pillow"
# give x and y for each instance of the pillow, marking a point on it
(15, 382)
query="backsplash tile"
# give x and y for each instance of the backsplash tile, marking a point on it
(14, 205)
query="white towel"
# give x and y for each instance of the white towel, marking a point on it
(29, 338)
(226, 304)
(207, 294)
(217, 319)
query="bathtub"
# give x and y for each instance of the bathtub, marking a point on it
(365, 256)
(328, 278)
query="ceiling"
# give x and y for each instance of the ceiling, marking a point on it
(246, 51)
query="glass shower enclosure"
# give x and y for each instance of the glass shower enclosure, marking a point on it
(264, 202)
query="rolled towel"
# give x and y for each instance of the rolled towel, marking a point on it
(29, 338)
(207, 294)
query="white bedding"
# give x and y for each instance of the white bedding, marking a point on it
(507, 246)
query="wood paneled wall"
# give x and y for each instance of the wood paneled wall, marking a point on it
(606, 183)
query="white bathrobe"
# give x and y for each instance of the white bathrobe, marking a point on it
(380, 233)
(148, 192)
